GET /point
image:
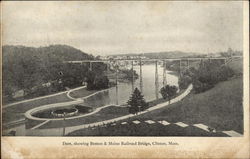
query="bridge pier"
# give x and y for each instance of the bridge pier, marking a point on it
(141, 84)
(202, 62)
(156, 81)
(107, 65)
(180, 69)
(90, 66)
(116, 82)
(133, 87)
(164, 73)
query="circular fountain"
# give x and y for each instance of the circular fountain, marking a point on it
(64, 112)
(58, 112)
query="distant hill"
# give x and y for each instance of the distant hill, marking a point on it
(61, 52)
(159, 55)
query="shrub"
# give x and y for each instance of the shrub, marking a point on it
(101, 82)
(210, 74)
(225, 73)
(168, 91)
(184, 81)
(201, 87)
(96, 82)
(129, 74)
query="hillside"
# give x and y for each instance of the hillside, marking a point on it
(26, 68)
(61, 52)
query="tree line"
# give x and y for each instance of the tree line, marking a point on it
(43, 70)
(206, 76)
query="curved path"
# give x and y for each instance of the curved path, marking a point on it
(51, 95)
(29, 113)
(158, 106)
(85, 97)
(70, 129)
(71, 90)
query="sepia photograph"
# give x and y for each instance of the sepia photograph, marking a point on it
(124, 69)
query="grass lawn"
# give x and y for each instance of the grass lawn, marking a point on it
(236, 65)
(17, 111)
(220, 107)
(104, 114)
(143, 129)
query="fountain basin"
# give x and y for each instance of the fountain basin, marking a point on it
(63, 112)
(58, 111)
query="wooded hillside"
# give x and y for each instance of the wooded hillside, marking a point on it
(27, 68)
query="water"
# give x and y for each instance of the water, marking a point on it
(125, 89)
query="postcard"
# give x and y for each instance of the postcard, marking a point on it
(125, 79)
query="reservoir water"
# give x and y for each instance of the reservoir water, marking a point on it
(125, 88)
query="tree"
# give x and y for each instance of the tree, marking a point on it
(137, 102)
(73, 75)
(101, 82)
(128, 74)
(209, 74)
(168, 91)
(96, 81)
(201, 86)
(184, 81)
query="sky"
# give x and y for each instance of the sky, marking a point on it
(103, 28)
